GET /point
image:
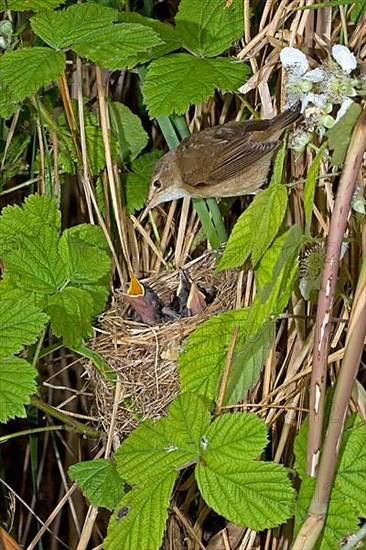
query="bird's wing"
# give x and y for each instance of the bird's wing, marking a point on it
(218, 153)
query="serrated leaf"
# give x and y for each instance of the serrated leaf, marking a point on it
(17, 383)
(170, 39)
(21, 322)
(62, 28)
(247, 364)
(8, 105)
(84, 262)
(90, 234)
(71, 313)
(26, 70)
(128, 130)
(99, 293)
(151, 450)
(256, 228)
(235, 436)
(339, 136)
(195, 78)
(95, 148)
(26, 5)
(137, 182)
(35, 261)
(309, 189)
(29, 219)
(280, 265)
(115, 47)
(209, 27)
(98, 481)
(203, 357)
(188, 418)
(144, 514)
(255, 494)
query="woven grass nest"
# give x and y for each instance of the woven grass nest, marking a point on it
(145, 358)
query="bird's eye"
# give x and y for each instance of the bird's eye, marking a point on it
(157, 184)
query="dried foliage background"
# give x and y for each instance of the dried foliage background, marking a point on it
(280, 397)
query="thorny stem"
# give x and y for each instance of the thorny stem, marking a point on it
(317, 512)
(326, 295)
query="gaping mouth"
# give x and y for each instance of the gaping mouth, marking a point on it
(135, 288)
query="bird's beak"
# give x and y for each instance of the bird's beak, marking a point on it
(150, 205)
(135, 288)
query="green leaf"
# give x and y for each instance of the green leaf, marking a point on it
(95, 148)
(71, 311)
(202, 360)
(187, 419)
(84, 262)
(137, 182)
(195, 78)
(8, 105)
(26, 5)
(256, 228)
(90, 234)
(170, 39)
(128, 130)
(339, 136)
(277, 273)
(143, 513)
(99, 482)
(255, 494)
(26, 70)
(116, 46)
(99, 293)
(247, 364)
(235, 436)
(29, 219)
(209, 27)
(309, 189)
(21, 322)
(35, 262)
(17, 383)
(78, 23)
(151, 450)
(14, 162)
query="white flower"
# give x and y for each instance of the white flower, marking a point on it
(344, 58)
(316, 75)
(343, 109)
(319, 100)
(294, 60)
(3, 44)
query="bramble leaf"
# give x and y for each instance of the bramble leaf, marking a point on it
(203, 357)
(195, 78)
(35, 5)
(247, 364)
(21, 321)
(17, 383)
(26, 70)
(99, 482)
(84, 262)
(170, 39)
(115, 47)
(137, 182)
(139, 521)
(71, 312)
(128, 130)
(339, 136)
(256, 228)
(62, 28)
(209, 27)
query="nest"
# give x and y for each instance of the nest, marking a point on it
(145, 358)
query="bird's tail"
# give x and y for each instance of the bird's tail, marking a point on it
(285, 119)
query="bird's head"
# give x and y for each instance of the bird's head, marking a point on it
(166, 182)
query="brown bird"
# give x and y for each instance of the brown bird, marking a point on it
(223, 161)
(191, 298)
(144, 301)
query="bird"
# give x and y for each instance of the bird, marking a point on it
(228, 160)
(147, 303)
(144, 301)
(191, 298)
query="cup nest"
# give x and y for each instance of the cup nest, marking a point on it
(145, 358)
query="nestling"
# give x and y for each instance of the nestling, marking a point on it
(223, 161)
